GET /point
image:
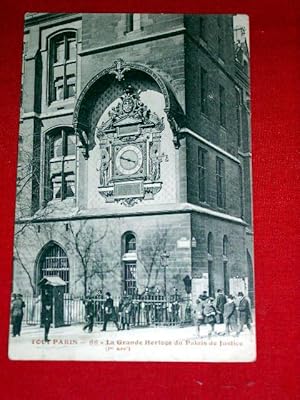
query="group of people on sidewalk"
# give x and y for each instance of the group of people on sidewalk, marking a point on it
(234, 313)
(108, 310)
(132, 310)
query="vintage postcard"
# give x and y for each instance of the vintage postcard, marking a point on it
(133, 234)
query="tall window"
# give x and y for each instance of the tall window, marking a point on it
(202, 173)
(241, 191)
(222, 106)
(220, 178)
(238, 114)
(204, 90)
(220, 37)
(225, 265)
(202, 28)
(225, 246)
(60, 164)
(210, 251)
(221, 46)
(210, 248)
(54, 262)
(133, 22)
(129, 283)
(62, 66)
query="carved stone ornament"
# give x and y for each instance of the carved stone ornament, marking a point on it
(130, 157)
(130, 110)
(119, 68)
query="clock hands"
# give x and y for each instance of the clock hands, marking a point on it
(127, 159)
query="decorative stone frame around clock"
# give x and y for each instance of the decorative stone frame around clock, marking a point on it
(120, 70)
(131, 135)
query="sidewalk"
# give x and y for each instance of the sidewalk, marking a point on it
(138, 344)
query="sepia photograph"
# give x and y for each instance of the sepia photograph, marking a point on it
(133, 236)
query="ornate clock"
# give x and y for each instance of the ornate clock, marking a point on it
(130, 154)
(128, 160)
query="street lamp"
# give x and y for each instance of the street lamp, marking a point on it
(164, 262)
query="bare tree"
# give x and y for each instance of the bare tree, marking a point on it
(150, 256)
(88, 245)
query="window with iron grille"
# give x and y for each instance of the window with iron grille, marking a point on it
(202, 174)
(60, 164)
(54, 262)
(62, 66)
(220, 178)
(130, 278)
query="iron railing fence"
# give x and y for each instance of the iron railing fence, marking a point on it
(150, 311)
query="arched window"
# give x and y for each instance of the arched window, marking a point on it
(54, 262)
(60, 164)
(130, 243)
(225, 246)
(210, 244)
(62, 66)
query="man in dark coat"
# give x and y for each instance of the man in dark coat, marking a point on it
(109, 312)
(220, 302)
(17, 314)
(125, 306)
(244, 312)
(89, 314)
(230, 315)
(210, 312)
(47, 312)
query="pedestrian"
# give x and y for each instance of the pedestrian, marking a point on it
(230, 315)
(244, 313)
(198, 315)
(203, 296)
(109, 312)
(210, 315)
(47, 312)
(220, 302)
(146, 306)
(135, 313)
(89, 314)
(125, 306)
(17, 314)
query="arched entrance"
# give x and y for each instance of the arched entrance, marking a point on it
(53, 261)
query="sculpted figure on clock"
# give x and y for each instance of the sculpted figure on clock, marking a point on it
(103, 167)
(155, 165)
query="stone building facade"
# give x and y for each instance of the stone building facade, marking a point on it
(134, 154)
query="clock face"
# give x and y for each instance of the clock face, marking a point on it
(129, 160)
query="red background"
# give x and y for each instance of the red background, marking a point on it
(275, 75)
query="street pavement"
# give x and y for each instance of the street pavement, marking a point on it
(138, 344)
